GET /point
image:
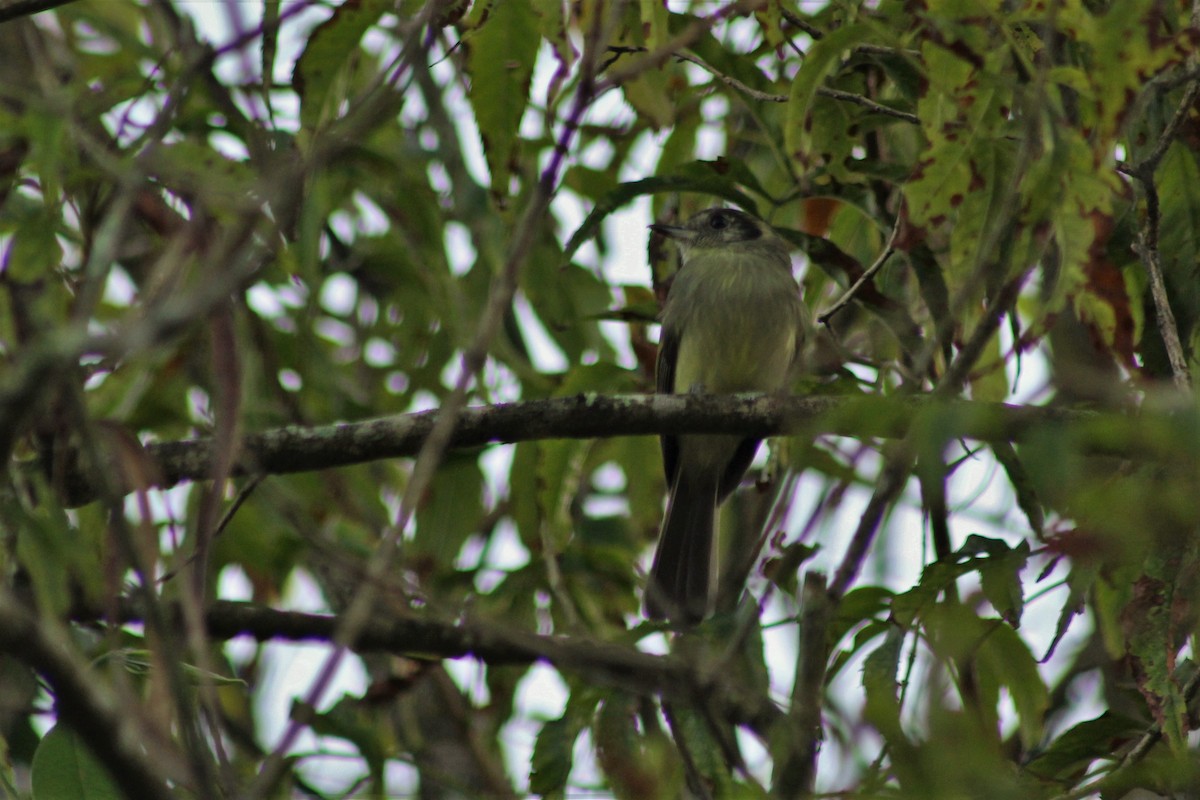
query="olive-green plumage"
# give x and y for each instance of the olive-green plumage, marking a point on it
(733, 322)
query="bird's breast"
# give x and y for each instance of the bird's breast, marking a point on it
(737, 321)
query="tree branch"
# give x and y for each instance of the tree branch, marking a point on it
(295, 449)
(768, 97)
(1148, 248)
(797, 771)
(497, 645)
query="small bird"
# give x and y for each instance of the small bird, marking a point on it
(733, 322)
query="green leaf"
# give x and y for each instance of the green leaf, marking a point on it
(694, 727)
(1022, 485)
(560, 473)
(64, 767)
(450, 511)
(636, 765)
(553, 754)
(567, 298)
(822, 59)
(352, 720)
(500, 61)
(989, 379)
(552, 758)
(51, 550)
(1149, 623)
(1075, 749)
(34, 253)
(935, 579)
(999, 569)
(1004, 653)
(863, 604)
(882, 688)
(191, 168)
(332, 51)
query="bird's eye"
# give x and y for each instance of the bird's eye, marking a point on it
(718, 222)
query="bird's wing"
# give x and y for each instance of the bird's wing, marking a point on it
(668, 353)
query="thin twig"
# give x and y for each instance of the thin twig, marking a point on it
(892, 479)
(1148, 236)
(816, 34)
(768, 97)
(1136, 754)
(884, 255)
(866, 102)
(685, 38)
(729, 80)
(798, 770)
(899, 458)
(803, 24)
(1147, 166)
(596, 662)
(1164, 315)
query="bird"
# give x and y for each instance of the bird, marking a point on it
(733, 321)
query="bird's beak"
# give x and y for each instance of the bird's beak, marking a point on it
(673, 231)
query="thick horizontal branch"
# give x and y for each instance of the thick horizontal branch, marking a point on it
(295, 449)
(496, 644)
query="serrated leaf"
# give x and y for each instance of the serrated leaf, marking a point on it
(1149, 628)
(655, 18)
(500, 62)
(1103, 302)
(331, 51)
(820, 61)
(559, 474)
(881, 686)
(1004, 653)
(1022, 485)
(863, 604)
(935, 579)
(1000, 576)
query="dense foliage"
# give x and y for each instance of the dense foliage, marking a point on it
(236, 237)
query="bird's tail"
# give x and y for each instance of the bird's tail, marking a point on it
(682, 579)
